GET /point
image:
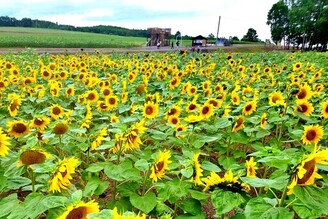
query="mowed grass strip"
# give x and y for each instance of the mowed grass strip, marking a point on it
(51, 38)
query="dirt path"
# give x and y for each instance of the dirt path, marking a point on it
(234, 48)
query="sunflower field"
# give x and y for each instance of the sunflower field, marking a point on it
(176, 134)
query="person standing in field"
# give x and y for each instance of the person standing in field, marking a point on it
(159, 44)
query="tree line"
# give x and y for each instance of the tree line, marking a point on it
(300, 23)
(6, 21)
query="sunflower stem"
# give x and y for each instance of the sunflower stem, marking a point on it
(32, 175)
(283, 197)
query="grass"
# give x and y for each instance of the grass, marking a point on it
(50, 38)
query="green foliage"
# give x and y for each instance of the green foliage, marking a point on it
(38, 37)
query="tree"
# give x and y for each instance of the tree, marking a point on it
(211, 36)
(251, 35)
(235, 38)
(301, 22)
(278, 20)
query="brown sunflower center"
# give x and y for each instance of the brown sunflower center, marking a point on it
(301, 94)
(38, 122)
(310, 135)
(77, 213)
(91, 96)
(239, 122)
(14, 105)
(214, 103)
(149, 110)
(2, 84)
(60, 129)
(192, 106)
(174, 81)
(174, 121)
(56, 111)
(103, 106)
(302, 108)
(174, 111)
(45, 74)
(192, 90)
(205, 110)
(19, 128)
(159, 166)
(112, 101)
(106, 92)
(32, 157)
(275, 98)
(248, 108)
(310, 167)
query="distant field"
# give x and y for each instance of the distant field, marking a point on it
(50, 38)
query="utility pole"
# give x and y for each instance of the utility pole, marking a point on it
(217, 33)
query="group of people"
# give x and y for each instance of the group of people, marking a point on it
(159, 44)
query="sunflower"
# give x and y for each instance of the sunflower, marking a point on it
(150, 110)
(264, 120)
(114, 119)
(60, 128)
(212, 180)
(174, 111)
(206, 111)
(80, 210)
(61, 177)
(128, 215)
(197, 170)
(173, 120)
(4, 143)
(46, 74)
(56, 111)
(70, 92)
(32, 156)
(142, 88)
(192, 118)
(276, 98)
(249, 108)
(181, 128)
(18, 128)
(175, 82)
(307, 172)
(312, 134)
(192, 106)
(192, 90)
(3, 84)
(239, 124)
(106, 91)
(251, 167)
(235, 99)
(102, 106)
(297, 66)
(161, 165)
(304, 107)
(214, 102)
(132, 138)
(324, 109)
(99, 139)
(111, 101)
(40, 122)
(304, 92)
(124, 97)
(92, 96)
(15, 102)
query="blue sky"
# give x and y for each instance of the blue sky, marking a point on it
(189, 17)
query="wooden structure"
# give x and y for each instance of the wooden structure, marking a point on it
(156, 35)
(199, 41)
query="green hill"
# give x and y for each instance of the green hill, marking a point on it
(52, 38)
